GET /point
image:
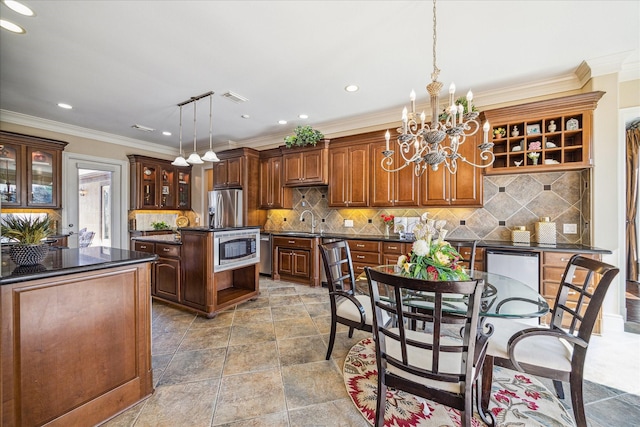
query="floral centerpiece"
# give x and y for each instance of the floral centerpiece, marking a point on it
(388, 222)
(431, 259)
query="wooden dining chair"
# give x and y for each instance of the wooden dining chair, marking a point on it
(443, 365)
(347, 307)
(559, 351)
(466, 248)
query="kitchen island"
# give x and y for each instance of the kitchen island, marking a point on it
(76, 336)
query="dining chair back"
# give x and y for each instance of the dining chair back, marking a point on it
(559, 351)
(441, 365)
(347, 307)
(466, 248)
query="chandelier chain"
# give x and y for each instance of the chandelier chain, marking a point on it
(434, 76)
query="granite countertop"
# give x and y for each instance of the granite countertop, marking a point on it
(60, 262)
(492, 244)
(162, 238)
(215, 230)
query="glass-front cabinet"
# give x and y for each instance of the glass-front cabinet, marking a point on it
(157, 184)
(30, 171)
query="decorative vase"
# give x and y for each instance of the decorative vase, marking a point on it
(535, 160)
(552, 126)
(28, 254)
(386, 230)
(515, 131)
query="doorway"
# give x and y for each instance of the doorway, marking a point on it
(93, 194)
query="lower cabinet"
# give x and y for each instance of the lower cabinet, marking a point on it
(166, 274)
(296, 259)
(391, 251)
(364, 253)
(465, 252)
(553, 266)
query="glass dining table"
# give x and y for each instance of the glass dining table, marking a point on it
(502, 296)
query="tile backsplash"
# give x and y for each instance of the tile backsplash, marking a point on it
(509, 201)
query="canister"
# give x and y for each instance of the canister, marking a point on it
(546, 231)
(520, 235)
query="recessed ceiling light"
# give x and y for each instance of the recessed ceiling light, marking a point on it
(303, 116)
(65, 106)
(10, 26)
(245, 116)
(351, 88)
(166, 133)
(282, 122)
(18, 7)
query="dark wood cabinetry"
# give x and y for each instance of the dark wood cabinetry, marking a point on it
(349, 173)
(296, 259)
(166, 277)
(463, 188)
(157, 184)
(399, 188)
(391, 251)
(544, 136)
(30, 171)
(228, 173)
(306, 166)
(273, 195)
(365, 253)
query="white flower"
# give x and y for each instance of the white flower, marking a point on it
(421, 247)
(441, 258)
(401, 260)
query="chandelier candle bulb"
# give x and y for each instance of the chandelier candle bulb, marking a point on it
(412, 97)
(452, 92)
(387, 136)
(485, 129)
(469, 99)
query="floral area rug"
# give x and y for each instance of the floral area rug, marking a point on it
(517, 399)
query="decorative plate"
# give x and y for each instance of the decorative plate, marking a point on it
(182, 221)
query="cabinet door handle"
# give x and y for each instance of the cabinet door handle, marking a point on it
(360, 256)
(359, 246)
(393, 247)
(291, 241)
(166, 250)
(143, 247)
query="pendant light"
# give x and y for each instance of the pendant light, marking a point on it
(180, 161)
(210, 156)
(194, 158)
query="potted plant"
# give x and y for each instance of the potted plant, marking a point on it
(303, 135)
(29, 234)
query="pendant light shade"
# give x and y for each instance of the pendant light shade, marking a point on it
(194, 158)
(180, 161)
(210, 156)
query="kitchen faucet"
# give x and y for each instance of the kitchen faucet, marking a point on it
(313, 219)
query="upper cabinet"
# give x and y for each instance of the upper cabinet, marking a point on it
(228, 173)
(463, 188)
(306, 166)
(273, 195)
(544, 136)
(156, 184)
(399, 188)
(349, 173)
(30, 171)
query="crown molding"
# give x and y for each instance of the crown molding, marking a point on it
(609, 64)
(63, 128)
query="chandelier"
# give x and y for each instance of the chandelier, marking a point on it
(194, 158)
(423, 145)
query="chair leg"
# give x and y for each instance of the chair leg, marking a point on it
(557, 385)
(575, 382)
(381, 403)
(487, 380)
(351, 332)
(332, 339)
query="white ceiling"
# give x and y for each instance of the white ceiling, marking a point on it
(121, 63)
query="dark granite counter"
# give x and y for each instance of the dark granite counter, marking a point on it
(215, 230)
(171, 239)
(60, 262)
(490, 244)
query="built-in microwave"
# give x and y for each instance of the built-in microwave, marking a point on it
(235, 248)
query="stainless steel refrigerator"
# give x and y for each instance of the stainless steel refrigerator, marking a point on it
(225, 208)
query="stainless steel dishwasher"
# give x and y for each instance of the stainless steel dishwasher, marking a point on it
(265, 254)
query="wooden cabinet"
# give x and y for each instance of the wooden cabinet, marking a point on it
(349, 174)
(553, 266)
(465, 252)
(30, 171)
(204, 291)
(296, 259)
(156, 184)
(228, 173)
(365, 253)
(558, 131)
(391, 251)
(273, 195)
(399, 188)
(166, 277)
(463, 188)
(306, 166)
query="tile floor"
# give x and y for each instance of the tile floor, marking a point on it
(262, 364)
